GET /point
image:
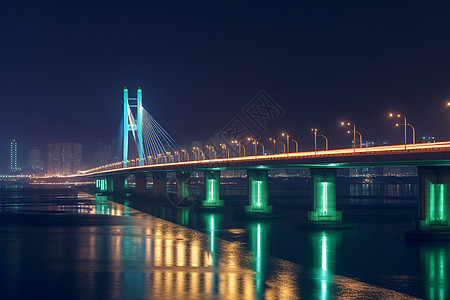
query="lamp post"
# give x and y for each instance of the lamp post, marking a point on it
(296, 144)
(405, 123)
(253, 140)
(202, 155)
(284, 146)
(257, 143)
(239, 147)
(196, 155)
(287, 140)
(224, 147)
(354, 134)
(326, 141)
(185, 154)
(274, 145)
(314, 130)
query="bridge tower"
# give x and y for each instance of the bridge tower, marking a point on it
(132, 123)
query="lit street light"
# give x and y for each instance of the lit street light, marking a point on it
(255, 149)
(405, 123)
(239, 147)
(224, 147)
(185, 155)
(354, 135)
(257, 143)
(274, 145)
(287, 140)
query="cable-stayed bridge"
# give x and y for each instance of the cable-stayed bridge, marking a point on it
(158, 154)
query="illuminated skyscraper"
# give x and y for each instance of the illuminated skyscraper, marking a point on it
(64, 158)
(54, 158)
(14, 167)
(35, 161)
(77, 157)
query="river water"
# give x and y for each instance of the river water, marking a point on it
(67, 243)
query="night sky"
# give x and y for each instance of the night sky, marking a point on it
(63, 65)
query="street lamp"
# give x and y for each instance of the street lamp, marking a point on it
(196, 155)
(354, 134)
(284, 146)
(211, 148)
(314, 130)
(224, 147)
(255, 149)
(177, 154)
(274, 143)
(257, 143)
(287, 140)
(203, 155)
(391, 115)
(239, 147)
(326, 140)
(296, 144)
(360, 137)
(185, 154)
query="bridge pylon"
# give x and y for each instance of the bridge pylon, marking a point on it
(132, 123)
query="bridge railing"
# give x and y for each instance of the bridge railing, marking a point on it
(177, 158)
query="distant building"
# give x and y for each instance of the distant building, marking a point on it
(54, 158)
(428, 139)
(77, 157)
(399, 171)
(64, 158)
(13, 155)
(368, 144)
(35, 161)
(104, 154)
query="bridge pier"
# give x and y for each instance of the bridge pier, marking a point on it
(324, 196)
(183, 180)
(434, 205)
(140, 183)
(114, 183)
(159, 184)
(258, 192)
(325, 214)
(212, 189)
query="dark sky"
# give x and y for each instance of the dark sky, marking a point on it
(63, 65)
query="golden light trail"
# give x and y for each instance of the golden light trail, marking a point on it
(348, 152)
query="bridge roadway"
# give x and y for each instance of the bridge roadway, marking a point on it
(432, 160)
(428, 154)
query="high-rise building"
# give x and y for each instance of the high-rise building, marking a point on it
(77, 157)
(13, 154)
(54, 158)
(35, 161)
(64, 158)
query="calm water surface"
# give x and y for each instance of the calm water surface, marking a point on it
(57, 243)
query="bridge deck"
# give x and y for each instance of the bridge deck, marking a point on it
(414, 155)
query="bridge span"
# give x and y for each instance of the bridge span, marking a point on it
(432, 160)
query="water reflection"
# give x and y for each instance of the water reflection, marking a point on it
(382, 193)
(435, 269)
(324, 244)
(258, 244)
(97, 249)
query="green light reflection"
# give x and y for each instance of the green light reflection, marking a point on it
(435, 268)
(258, 244)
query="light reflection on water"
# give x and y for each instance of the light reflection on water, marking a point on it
(114, 251)
(140, 256)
